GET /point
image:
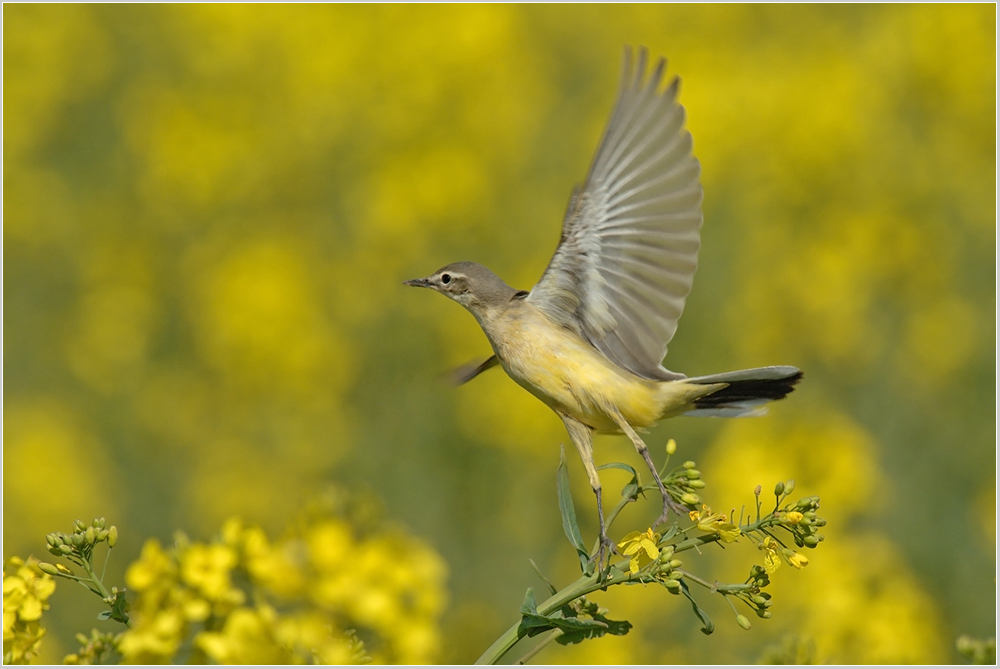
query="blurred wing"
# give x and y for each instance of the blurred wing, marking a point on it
(469, 371)
(630, 239)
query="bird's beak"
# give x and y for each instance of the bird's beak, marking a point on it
(420, 283)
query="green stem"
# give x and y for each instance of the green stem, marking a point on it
(723, 589)
(588, 584)
(100, 589)
(542, 644)
(578, 588)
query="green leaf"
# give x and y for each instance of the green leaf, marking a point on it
(538, 571)
(631, 489)
(708, 625)
(619, 465)
(668, 533)
(574, 629)
(528, 605)
(599, 627)
(104, 615)
(570, 526)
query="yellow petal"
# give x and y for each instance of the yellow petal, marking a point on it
(651, 550)
(630, 537)
(728, 532)
(633, 565)
(798, 560)
(31, 609)
(771, 562)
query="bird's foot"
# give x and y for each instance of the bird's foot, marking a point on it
(670, 505)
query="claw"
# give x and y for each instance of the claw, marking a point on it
(670, 505)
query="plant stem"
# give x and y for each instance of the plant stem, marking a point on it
(587, 584)
(542, 644)
(101, 590)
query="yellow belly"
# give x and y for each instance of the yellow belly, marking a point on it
(573, 378)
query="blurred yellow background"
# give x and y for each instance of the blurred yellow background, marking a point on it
(209, 210)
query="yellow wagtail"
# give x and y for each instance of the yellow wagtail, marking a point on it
(589, 338)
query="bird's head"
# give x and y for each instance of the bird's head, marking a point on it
(470, 284)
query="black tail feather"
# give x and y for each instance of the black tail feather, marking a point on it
(747, 391)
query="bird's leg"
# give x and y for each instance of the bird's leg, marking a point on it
(582, 437)
(668, 502)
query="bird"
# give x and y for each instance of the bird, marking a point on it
(590, 337)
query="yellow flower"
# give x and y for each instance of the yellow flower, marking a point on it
(715, 522)
(154, 639)
(797, 560)
(153, 569)
(26, 591)
(246, 638)
(639, 545)
(771, 558)
(206, 569)
(793, 517)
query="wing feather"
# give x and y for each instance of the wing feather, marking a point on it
(631, 235)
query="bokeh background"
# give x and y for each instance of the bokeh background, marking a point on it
(209, 210)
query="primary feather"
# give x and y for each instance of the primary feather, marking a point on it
(630, 238)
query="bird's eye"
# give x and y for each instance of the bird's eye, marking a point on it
(446, 279)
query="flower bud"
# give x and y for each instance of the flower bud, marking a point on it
(763, 614)
(55, 550)
(779, 489)
(690, 499)
(693, 474)
(82, 639)
(756, 490)
(77, 539)
(65, 550)
(742, 621)
(789, 486)
(79, 525)
(676, 575)
(90, 536)
(812, 540)
(112, 536)
(48, 568)
(63, 569)
(675, 564)
(794, 517)
(671, 447)
(100, 523)
(696, 485)
(688, 465)
(759, 601)
(102, 535)
(673, 586)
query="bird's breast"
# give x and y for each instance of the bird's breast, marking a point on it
(569, 374)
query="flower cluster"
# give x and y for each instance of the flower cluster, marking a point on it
(684, 482)
(330, 591)
(653, 557)
(98, 648)
(78, 547)
(26, 590)
(338, 587)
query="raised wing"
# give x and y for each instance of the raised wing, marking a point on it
(630, 239)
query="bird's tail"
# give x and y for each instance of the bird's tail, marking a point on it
(746, 392)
